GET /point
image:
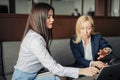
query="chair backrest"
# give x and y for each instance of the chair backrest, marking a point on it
(115, 43)
(61, 52)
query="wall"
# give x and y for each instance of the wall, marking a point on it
(12, 26)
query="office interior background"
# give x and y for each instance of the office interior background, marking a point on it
(63, 7)
(12, 26)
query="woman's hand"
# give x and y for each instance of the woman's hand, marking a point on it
(90, 71)
(98, 64)
(103, 53)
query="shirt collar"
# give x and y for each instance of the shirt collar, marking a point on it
(88, 41)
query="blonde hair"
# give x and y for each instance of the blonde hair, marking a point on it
(79, 23)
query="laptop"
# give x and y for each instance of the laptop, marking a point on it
(111, 72)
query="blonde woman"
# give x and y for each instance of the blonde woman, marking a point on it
(87, 46)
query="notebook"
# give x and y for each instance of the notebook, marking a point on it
(111, 72)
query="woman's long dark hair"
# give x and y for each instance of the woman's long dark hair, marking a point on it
(37, 21)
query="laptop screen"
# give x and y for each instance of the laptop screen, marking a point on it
(111, 72)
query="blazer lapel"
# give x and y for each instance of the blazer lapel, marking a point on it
(93, 47)
(81, 48)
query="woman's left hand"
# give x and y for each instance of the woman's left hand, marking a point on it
(103, 53)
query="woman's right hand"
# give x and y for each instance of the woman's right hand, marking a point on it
(98, 64)
(90, 71)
